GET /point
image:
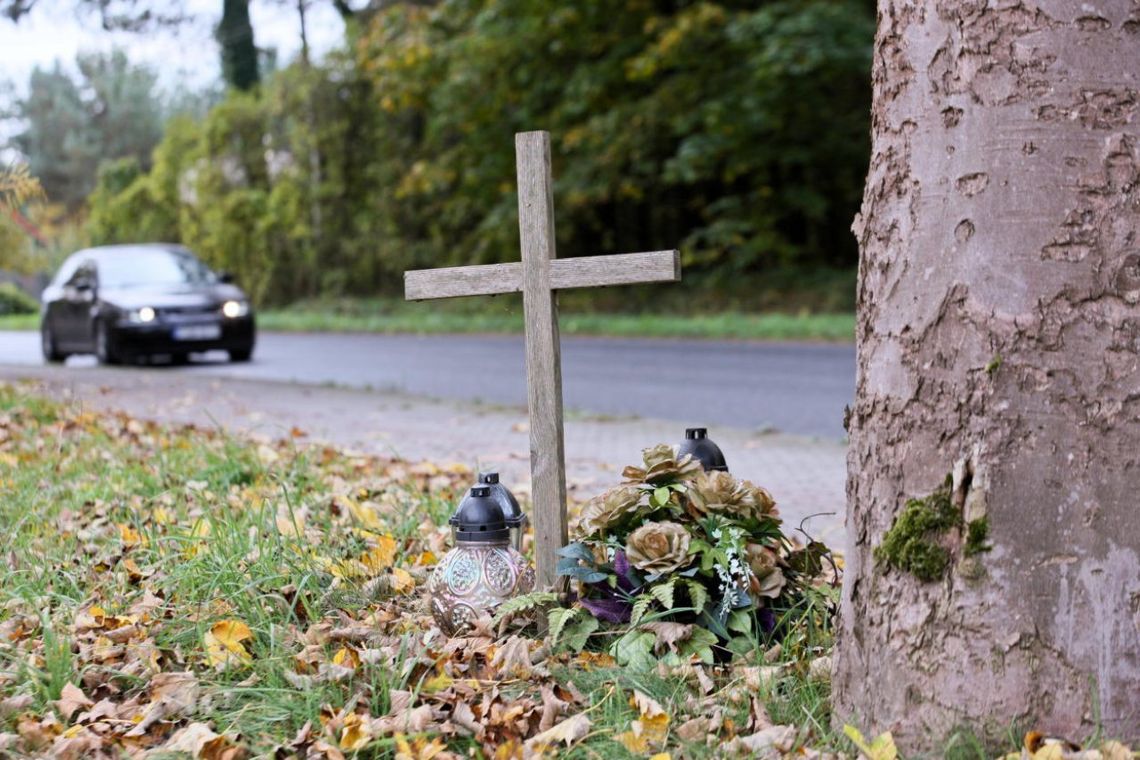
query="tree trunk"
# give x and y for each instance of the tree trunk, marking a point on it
(998, 344)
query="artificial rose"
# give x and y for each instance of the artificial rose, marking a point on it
(608, 509)
(769, 585)
(721, 493)
(761, 559)
(662, 466)
(658, 547)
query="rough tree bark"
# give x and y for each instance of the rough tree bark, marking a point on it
(998, 342)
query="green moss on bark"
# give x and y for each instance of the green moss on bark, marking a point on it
(913, 543)
(977, 534)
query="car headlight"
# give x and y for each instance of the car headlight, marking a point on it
(233, 309)
(141, 316)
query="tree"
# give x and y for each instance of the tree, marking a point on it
(112, 112)
(993, 573)
(126, 15)
(239, 53)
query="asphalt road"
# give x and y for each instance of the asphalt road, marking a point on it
(799, 389)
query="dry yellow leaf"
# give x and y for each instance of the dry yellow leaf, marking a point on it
(662, 756)
(224, 644)
(356, 732)
(346, 658)
(402, 581)
(130, 537)
(437, 683)
(380, 557)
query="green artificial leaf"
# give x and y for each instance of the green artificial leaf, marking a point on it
(700, 643)
(660, 497)
(585, 574)
(698, 594)
(640, 607)
(577, 551)
(663, 593)
(576, 635)
(634, 650)
(740, 621)
(557, 620)
(741, 645)
(524, 603)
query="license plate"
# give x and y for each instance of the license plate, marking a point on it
(198, 332)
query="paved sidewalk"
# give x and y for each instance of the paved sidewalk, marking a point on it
(806, 476)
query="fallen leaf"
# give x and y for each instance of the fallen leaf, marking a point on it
(568, 731)
(356, 733)
(512, 658)
(882, 748)
(779, 738)
(190, 739)
(224, 644)
(71, 699)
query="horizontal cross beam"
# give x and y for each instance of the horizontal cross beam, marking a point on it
(581, 272)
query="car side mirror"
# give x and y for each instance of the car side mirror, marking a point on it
(225, 278)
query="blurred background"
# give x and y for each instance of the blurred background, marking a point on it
(317, 149)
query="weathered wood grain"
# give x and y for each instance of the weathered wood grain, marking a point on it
(455, 282)
(582, 272)
(618, 269)
(543, 359)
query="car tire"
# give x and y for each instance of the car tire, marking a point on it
(106, 350)
(52, 354)
(241, 354)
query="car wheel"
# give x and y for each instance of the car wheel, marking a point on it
(241, 354)
(105, 349)
(47, 343)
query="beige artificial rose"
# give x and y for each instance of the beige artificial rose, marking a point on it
(658, 547)
(721, 493)
(767, 577)
(662, 466)
(608, 509)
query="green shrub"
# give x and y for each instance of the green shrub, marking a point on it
(16, 301)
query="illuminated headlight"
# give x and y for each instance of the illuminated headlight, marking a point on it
(141, 316)
(235, 308)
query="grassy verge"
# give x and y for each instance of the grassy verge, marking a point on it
(19, 321)
(176, 588)
(504, 315)
(430, 318)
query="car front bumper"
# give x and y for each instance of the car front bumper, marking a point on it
(159, 337)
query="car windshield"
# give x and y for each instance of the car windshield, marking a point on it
(148, 268)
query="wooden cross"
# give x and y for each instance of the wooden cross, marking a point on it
(538, 276)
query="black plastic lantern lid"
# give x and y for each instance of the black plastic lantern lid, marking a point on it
(701, 447)
(479, 518)
(512, 512)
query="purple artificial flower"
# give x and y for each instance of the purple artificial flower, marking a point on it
(621, 567)
(612, 610)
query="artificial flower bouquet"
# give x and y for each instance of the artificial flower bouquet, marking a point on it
(675, 545)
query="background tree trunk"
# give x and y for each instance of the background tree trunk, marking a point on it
(998, 341)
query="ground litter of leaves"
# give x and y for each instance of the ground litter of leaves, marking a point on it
(174, 590)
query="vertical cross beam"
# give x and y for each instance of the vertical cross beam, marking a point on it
(543, 356)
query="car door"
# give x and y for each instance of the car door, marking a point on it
(73, 319)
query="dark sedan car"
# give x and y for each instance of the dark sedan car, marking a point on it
(123, 302)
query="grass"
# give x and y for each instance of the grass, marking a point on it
(382, 316)
(129, 547)
(392, 318)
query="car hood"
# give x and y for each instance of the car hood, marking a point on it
(172, 297)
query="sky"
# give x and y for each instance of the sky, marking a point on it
(186, 56)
